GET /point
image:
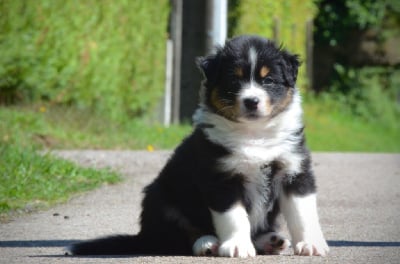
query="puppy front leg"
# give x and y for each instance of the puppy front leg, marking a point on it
(233, 230)
(301, 216)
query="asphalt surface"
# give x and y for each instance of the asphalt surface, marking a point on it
(359, 207)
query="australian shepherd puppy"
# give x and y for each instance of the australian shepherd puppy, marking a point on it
(245, 162)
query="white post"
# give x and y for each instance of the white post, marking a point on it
(217, 23)
(220, 21)
(168, 83)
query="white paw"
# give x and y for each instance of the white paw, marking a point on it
(271, 243)
(237, 247)
(316, 247)
(206, 246)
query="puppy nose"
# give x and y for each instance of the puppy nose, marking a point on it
(251, 103)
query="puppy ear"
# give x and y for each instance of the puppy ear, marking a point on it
(291, 65)
(209, 66)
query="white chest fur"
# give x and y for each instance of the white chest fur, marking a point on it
(249, 161)
(255, 144)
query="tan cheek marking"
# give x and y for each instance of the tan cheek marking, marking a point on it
(236, 110)
(239, 72)
(287, 100)
(268, 106)
(284, 103)
(215, 100)
(264, 71)
(228, 111)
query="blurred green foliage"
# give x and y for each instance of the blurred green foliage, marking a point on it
(369, 90)
(336, 19)
(107, 56)
(261, 16)
(368, 93)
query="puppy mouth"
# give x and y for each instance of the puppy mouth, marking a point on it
(252, 115)
(254, 118)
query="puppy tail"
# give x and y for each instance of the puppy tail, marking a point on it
(113, 245)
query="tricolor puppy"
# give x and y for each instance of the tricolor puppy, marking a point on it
(245, 162)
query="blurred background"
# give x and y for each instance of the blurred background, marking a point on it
(103, 74)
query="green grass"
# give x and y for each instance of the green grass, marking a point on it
(329, 128)
(30, 181)
(69, 128)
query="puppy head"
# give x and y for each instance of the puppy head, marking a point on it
(248, 79)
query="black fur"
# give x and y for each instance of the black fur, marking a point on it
(176, 205)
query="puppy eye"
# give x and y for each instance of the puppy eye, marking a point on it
(267, 80)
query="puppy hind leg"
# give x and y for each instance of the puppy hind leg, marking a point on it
(271, 243)
(206, 246)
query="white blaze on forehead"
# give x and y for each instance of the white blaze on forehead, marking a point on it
(253, 61)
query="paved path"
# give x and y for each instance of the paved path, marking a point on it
(359, 205)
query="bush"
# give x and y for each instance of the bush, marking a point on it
(336, 20)
(107, 56)
(259, 16)
(370, 93)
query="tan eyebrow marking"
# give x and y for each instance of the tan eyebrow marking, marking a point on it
(264, 71)
(239, 72)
